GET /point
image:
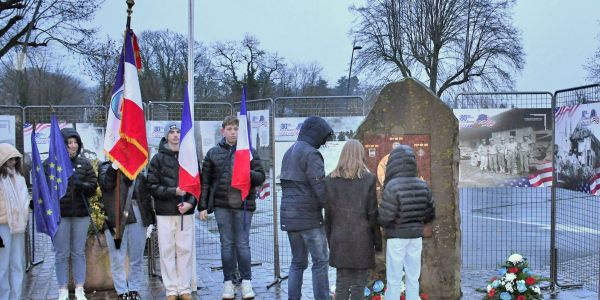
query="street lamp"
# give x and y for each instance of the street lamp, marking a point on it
(354, 48)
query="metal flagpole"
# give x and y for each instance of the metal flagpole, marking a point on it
(191, 99)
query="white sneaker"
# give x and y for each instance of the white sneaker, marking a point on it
(79, 293)
(247, 291)
(228, 290)
(63, 294)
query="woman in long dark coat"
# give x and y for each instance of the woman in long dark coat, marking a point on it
(351, 221)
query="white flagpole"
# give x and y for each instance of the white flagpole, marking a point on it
(191, 98)
(191, 56)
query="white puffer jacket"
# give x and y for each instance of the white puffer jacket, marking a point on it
(13, 193)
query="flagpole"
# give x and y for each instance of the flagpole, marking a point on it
(191, 55)
(130, 4)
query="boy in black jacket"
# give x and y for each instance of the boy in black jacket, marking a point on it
(175, 233)
(233, 214)
(406, 207)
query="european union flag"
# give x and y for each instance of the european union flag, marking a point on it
(58, 164)
(45, 208)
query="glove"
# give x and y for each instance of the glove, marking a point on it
(77, 182)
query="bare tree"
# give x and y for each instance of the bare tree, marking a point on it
(36, 23)
(240, 63)
(593, 66)
(302, 79)
(43, 82)
(446, 43)
(101, 65)
(269, 74)
(164, 56)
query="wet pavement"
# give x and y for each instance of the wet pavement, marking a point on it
(40, 281)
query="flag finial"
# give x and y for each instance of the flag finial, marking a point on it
(130, 4)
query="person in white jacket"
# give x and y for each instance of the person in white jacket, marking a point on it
(14, 210)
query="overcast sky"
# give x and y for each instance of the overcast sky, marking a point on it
(558, 35)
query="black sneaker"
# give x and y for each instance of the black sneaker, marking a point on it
(124, 296)
(133, 295)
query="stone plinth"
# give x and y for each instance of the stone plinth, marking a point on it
(407, 112)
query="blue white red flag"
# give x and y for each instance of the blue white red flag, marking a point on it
(240, 177)
(189, 177)
(125, 142)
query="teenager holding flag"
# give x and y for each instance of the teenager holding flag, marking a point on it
(230, 173)
(71, 179)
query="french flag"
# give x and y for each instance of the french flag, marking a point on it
(125, 142)
(189, 178)
(240, 177)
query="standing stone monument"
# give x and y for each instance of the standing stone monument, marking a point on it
(408, 113)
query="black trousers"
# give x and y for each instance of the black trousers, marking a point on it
(350, 284)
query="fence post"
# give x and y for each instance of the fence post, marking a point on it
(553, 254)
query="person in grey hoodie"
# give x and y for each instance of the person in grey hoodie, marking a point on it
(406, 207)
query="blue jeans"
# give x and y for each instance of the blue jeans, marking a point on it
(235, 242)
(311, 241)
(69, 242)
(12, 263)
(132, 246)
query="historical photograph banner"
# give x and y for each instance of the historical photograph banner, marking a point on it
(578, 147)
(508, 147)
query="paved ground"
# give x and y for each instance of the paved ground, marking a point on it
(40, 282)
(491, 219)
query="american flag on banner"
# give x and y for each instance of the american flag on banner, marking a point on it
(594, 183)
(483, 120)
(563, 111)
(28, 128)
(542, 177)
(264, 191)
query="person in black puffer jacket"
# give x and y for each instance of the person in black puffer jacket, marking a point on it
(69, 241)
(173, 206)
(141, 215)
(406, 207)
(302, 203)
(234, 216)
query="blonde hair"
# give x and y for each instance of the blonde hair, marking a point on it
(351, 164)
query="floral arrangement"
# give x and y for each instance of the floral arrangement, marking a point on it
(96, 205)
(375, 290)
(514, 281)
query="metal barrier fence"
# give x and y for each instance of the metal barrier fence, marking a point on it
(17, 112)
(264, 218)
(304, 107)
(576, 245)
(497, 221)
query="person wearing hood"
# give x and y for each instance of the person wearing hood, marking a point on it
(233, 214)
(302, 203)
(405, 208)
(14, 211)
(133, 240)
(174, 217)
(69, 241)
